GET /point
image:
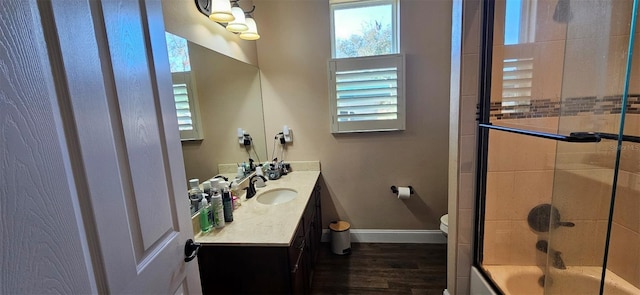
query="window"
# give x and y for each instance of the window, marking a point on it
(363, 28)
(184, 90)
(520, 21)
(367, 94)
(184, 98)
(366, 76)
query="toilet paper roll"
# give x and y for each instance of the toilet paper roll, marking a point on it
(404, 192)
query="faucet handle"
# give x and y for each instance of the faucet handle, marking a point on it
(542, 245)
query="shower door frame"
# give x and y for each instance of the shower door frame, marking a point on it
(484, 125)
(482, 153)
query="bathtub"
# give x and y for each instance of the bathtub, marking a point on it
(521, 280)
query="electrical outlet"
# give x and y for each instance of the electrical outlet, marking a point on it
(241, 136)
(287, 134)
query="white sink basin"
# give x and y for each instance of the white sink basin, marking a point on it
(277, 196)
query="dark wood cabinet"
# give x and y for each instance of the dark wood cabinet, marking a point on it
(288, 269)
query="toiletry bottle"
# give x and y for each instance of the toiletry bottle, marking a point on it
(218, 209)
(195, 194)
(205, 216)
(234, 194)
(194, 187)
(227, 204)
(240, 173)
(206, 187)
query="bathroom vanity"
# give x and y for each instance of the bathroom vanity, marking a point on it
(268, 248)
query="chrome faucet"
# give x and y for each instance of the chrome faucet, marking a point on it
(251, 189)
(556, 259)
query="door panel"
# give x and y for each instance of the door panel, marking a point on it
(117, 70)
(139, 116)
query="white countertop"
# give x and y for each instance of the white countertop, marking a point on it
(266, 225)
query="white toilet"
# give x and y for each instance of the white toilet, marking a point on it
(444, 224)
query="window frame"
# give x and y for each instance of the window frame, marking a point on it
(368, 62)
(348, 4)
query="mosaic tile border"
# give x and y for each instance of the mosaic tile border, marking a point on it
(579, 106)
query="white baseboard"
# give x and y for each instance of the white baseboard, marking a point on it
(392, 236)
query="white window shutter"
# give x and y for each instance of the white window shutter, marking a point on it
(517, 81)
(367, 94)
(186, 106)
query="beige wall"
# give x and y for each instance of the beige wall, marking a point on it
(229, 97)
(182, 18)
(358, 169)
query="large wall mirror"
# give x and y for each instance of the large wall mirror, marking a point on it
(226, 96)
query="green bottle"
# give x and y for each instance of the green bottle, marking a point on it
(205, 216)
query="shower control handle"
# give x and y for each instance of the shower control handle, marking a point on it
(566, 223)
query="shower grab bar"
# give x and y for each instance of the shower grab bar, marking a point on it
(576, 137)
(613, 136)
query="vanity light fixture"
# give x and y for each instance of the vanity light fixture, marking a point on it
(221, 11)
(239, 24)
(231, 16)
(252, 32)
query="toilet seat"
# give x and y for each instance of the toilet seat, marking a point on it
(444, 224)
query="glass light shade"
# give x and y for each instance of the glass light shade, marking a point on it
(252, 32)
(221, 11)
(239, 24)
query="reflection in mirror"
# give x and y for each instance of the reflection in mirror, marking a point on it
(184, 89)
(215, 95)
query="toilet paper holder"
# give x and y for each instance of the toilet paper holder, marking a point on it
(394, 189)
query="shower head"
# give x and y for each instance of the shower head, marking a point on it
(563, 14)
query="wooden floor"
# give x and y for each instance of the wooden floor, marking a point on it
(382, 269)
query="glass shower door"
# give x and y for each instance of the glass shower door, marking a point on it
(562, 88)
(596, 96)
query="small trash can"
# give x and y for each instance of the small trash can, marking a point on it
(340, 237)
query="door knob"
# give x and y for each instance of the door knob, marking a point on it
(190, 250)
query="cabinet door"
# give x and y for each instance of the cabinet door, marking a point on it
(298, 261)
(316, 230)
(312, 250)
(244, 270)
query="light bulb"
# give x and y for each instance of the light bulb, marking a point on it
(239, 24)
(221, 11)
(252, 32)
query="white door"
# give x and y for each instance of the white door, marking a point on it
(113, 124)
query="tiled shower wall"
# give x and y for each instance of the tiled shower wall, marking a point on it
(463, 149)
(624, 252)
